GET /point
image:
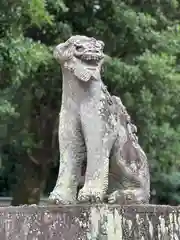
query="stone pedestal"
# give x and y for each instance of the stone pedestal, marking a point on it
(91, 222)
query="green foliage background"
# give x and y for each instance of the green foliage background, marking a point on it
(143, 40)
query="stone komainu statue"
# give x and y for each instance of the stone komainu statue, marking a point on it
(95, 128)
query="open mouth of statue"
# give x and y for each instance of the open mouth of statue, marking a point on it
(91, 62)
(91, 59)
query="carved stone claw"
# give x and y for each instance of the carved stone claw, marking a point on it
(120, 197)
(112, 198)
(84, 195)
(57, 200)
(94, 196)
(123, 197)
(83, 198)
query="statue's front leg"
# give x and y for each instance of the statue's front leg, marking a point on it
(98, 140)
(72, 153)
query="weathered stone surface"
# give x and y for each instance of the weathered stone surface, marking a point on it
(95, 131)
(90, 222)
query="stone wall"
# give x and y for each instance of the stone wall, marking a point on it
(91, 222)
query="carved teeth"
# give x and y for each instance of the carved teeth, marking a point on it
(89, 57)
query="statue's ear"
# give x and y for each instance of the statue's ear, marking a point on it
(64, 52)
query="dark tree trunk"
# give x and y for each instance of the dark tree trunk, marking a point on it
(31, 182)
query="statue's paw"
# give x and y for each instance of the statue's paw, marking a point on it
(84, 195)
(117, 197)
(113, 197)
(96, 196)
(136, 196)
(58, 199)
(123, 197)
(90, 195)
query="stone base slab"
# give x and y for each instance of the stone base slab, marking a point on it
(90, 222)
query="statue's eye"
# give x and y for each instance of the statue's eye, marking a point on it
(79, 47)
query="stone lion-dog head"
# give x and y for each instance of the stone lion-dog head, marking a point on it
(82, 55)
